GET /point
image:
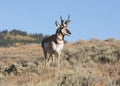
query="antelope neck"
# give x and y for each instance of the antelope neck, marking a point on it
(59, 38)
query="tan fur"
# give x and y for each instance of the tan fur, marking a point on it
(53, 44)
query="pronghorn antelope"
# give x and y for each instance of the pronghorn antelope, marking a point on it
(53, 44)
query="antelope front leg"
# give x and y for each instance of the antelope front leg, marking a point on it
(58, 62)
(52, 59)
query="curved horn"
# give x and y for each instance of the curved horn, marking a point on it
(68, 20)
(62, 21)
(68, 17)
(57, 24)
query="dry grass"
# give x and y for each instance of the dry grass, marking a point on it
(84, 63)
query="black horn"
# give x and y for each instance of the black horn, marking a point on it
(62, 21)
(68, 20)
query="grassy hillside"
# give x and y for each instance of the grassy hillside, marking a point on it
(83, 63)
(17, 37)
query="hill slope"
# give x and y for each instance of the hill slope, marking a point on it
(17, 37)
(83, 63)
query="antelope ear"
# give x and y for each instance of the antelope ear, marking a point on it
(57, 24)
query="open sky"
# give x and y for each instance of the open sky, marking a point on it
(89, 18)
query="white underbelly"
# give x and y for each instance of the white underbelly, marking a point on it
(56, 47)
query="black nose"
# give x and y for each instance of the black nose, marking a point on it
(70, 33)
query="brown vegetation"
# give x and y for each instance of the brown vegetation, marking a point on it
(83, 63)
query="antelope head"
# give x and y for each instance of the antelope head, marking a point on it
(62, 28)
